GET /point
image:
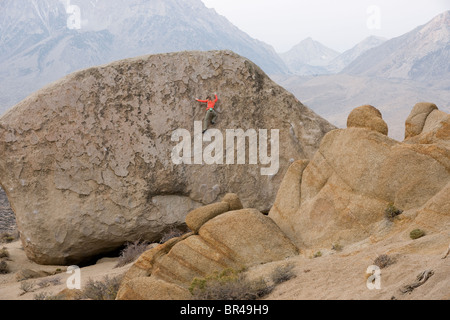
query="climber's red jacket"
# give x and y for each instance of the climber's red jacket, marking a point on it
(211, 104)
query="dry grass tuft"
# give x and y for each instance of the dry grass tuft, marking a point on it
(131, 252)
(102, 290)
(383, 261)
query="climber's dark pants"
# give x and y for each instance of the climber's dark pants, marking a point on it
(210, 117)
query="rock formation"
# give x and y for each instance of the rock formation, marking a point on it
(367, 117)
(427, 125)
(416, 120)
(87, 161)
(234, 239)
(197, 218)
(340, 196)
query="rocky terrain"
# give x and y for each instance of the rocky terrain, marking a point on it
(358, 172)
(343, 231)
(339, 199)
(88, 161)
(352, 213)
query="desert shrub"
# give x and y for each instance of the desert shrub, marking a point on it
(131, 252)
(383, 261)
(41, 296)
(4, 253)
(228, 285)
(391, 212)
(26, 286)
(4, 269)
(226, 275)
(317, 254)
(49, 282)
(337, 247)
(102, 290)
(47, 296)
(170, 234)
(8, 237)
(283, 273)
(416, 234)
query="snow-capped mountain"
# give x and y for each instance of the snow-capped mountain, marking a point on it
(309, 57)
(43, 40)
(422, 54)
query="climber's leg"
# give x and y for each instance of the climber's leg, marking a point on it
(207, 120)
(214, 116)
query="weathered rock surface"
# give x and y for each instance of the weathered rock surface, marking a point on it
(86, 161)
(433, 127)
(416, 120)
(340, 196)
(235, 239)
(367, 117)
(233, 201)
(198, 217)
(151, 288)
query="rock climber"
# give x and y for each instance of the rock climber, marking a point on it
(211, 114)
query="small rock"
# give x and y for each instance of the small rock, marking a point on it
(367, 117)
(26, 274)
(198, 217)
(233, 200)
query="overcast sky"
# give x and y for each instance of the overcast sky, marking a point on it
(337, 24)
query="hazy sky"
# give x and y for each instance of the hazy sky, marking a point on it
(338, 24)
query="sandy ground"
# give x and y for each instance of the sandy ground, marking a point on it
(335, 275)
(343, 275)
(10, 288)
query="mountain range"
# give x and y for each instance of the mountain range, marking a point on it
(42, 41)
(346, 58)
(393, 76)
(421, 54)
(309, 57)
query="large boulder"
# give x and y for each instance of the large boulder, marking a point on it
(90, 162)
(198, 217)
(341, 195)
(235, 239)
